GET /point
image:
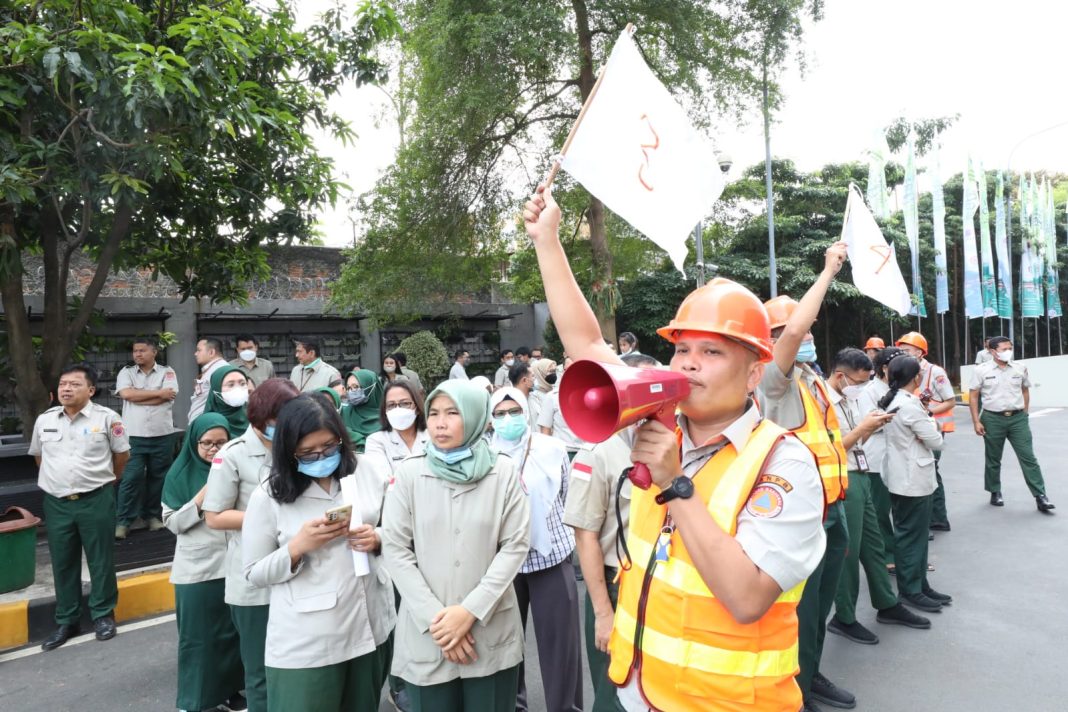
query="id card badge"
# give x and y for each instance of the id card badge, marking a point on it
(862, 460)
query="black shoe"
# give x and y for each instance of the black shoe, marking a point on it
(942, 598)
(63, 633)
(236, 703)
(899, 615)
(830, 694)
(1044, 505)
(940, 526)
(996, 499)
(922, 602)
(811, 706)
(853, 631)
(105, 628)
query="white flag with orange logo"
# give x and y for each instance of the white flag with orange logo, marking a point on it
(638, 152)
(873, 262)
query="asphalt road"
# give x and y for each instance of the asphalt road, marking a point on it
(999, 647)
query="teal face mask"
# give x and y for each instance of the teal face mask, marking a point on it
(807, 352)
(510, 427)
(450, 457)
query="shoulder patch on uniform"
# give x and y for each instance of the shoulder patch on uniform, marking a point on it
(775, 480)
(581, 470)
(117, 430)
(765, 502)
(169, 375)
(216, 461)
(940, 380)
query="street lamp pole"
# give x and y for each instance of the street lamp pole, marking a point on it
(725, 163)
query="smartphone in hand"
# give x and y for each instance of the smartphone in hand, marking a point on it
(337, 514)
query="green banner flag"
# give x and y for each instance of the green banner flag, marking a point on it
(1001, 249)
(911, 210)
(1053, 298)
(986, 255)
(1030, 262)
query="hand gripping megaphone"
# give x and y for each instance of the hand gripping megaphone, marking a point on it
(600, 399)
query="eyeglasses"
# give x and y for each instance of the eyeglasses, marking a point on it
(502, 413)
(211, 444)
(407, 405)
(310, 457)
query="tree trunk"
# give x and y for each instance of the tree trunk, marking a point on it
(604, 284)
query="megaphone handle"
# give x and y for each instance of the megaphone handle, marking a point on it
(639, 474)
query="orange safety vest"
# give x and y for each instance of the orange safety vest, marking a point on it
(821, 433)
(945, 420)
(688, 651)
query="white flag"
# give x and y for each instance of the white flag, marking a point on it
(637, 151)
(875, 270)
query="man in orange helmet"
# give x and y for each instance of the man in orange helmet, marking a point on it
(937, 392)
(795, 396)
(706, 614)
(873, 346)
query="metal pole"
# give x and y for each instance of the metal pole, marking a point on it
(1049, 340)
(773, 278)
(699, 247)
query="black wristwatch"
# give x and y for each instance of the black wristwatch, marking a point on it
(681, 487)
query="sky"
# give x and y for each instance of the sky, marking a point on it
(999, 65)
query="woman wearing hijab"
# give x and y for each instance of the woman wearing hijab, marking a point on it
(456, 529)
(359, 412)
(228, 397)
(209, 661)
(543, 372)
(329, 394)
(546, 580)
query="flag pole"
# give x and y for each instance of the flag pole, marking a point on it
(578, 120)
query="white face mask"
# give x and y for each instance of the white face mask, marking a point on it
(400, 418)
(247, 355)
(235, 397)
(510, 362)
(1004, 356)
(852, 392)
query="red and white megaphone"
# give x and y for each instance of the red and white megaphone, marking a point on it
(600, 399)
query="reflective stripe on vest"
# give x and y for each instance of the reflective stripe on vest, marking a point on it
(821, 433)
(692, 654)
(945, 420)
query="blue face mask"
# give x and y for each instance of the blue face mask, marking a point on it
(268, 433)
(320, 468)
(356, 396)
(510, 427)
(450, 457)
(807, 352)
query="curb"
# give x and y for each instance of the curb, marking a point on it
(140, 596)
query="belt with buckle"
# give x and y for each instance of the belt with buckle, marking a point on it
(81, 495)
(1006, 413)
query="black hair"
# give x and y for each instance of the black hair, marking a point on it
(522, 351)
(505, 352)
(212, 343)
(246, 337)
(996, 341)
(638, 360)
(310, 344)
(146, 340)
(629, 338)
(401, 358)
(517, 372)
(87, 370)
(420, 415)
(298, 418)
(884, 357)
(537, 348)
(461, 352)
(852, 359)
(901, 371)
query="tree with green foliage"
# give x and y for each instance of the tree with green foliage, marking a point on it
(493, 90)
(168, 135)
(427, 356)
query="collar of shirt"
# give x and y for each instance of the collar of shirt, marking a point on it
(253, 445)
(737, 433)
(205, 367)
(314, 491)
(156, 366)
(311, 366)
(84, 411)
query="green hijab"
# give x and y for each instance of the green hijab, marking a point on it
(473, 403)
(363, 419)
(189, 471)
(236, 418)
(334, 397)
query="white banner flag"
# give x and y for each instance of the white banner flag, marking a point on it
(637, 151)
(873, 262)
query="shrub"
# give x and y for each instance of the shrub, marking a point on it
(427, 357)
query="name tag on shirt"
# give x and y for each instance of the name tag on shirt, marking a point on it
(862, 460)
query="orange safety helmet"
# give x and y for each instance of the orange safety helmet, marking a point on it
(913, 338)
(726, 308)
(779, 310)
(876, 343)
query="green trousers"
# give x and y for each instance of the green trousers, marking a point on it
(880, 498)
(351, 686)
(604, 690)
(865, 549)
(141, 486)
(912, 519)
(492, 693)
(86, 523)
(1017, 429)
(939, 514)
(815, 603)
(251, 624)
(209, 659)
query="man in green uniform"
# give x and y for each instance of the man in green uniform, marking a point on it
(147, 390)
(80, 448)
(1006, 392)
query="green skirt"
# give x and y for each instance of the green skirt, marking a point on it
(209, 658)
(351, 686)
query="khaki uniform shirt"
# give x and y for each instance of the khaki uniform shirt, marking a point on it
(449, 544)
(778, 397)
(591, 495)
(983, 356)
(413, 377)
(316, 375)
(76, 452)
(500, 378)
(875, 446)
(1001, 388)
(936, 379)
(388, 448)
(551, 417)
(236, 471)
(849, 418)
(201, 387)
(200, 551)
(261, 370)
(147, 421)
(912, 438)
